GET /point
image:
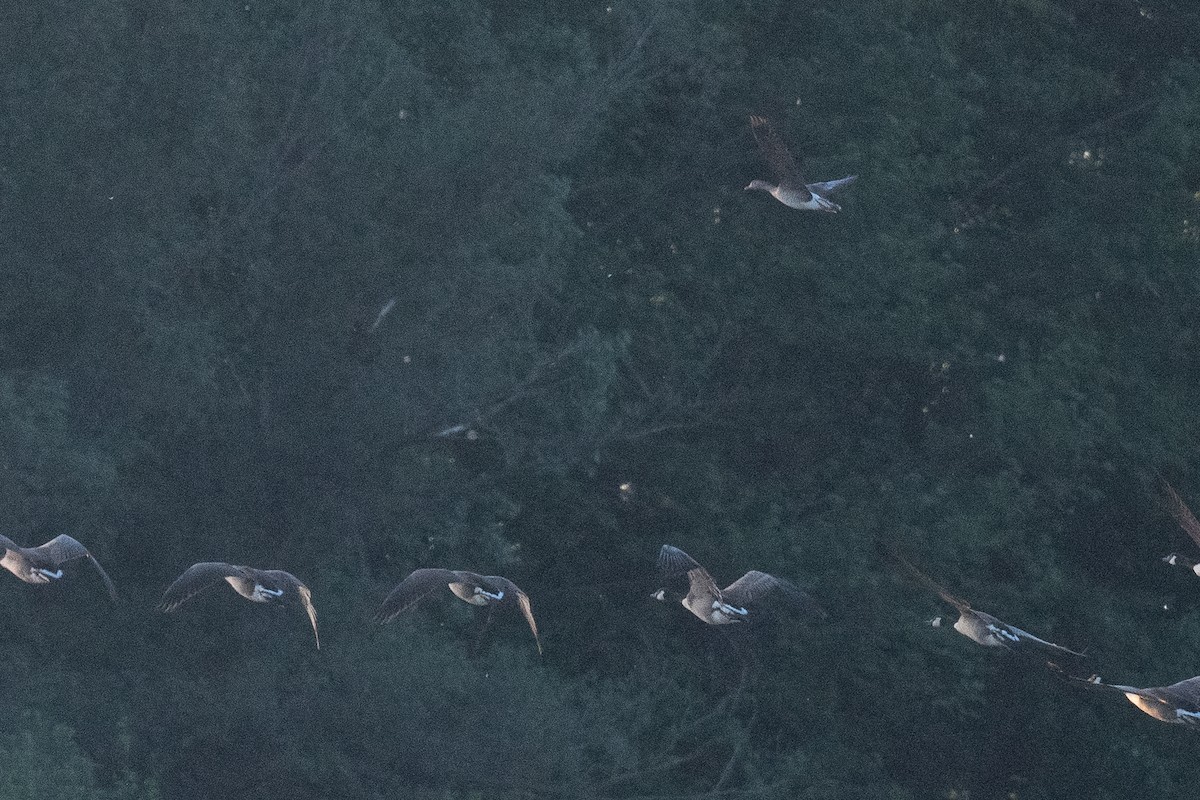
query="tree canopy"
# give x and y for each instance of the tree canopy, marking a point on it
(350, 288)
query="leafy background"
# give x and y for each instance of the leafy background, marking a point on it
(987, 359)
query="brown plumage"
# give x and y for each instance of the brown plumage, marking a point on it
(1178, 703)
(791, 187)
(738, 601)
(982, 628)
(43, 563)
(256, 585)
(493, 591)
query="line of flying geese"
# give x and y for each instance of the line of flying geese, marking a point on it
(740, 602)
(750, 597)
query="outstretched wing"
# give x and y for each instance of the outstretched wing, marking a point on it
(196, 579)
(1023, 641)
(826, 188)
(63, 548)
(674, 563)
(776, 153)
(1181, 513)
(755, 585)
(418, 584)
(514, 593)
(957, 602)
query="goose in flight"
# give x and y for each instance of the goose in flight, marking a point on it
(1178, 703)
(1186, 520)
(792, 189)
(257, 585)
(740, 601)
(982, 628)
(493, 591)
(43, 564)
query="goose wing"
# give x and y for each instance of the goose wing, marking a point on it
(674, 563)
(419, 583)
(928, 582)
(776, 153)
(63, 548)
(755, 585)
(289, 581)
(1016, 639)
(1181, 513)
(827, 188)
(196, 579)
(514, 594)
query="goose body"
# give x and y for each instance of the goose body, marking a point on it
(1178, 703)
(43, 564)
(791, 188)
(989, 631)
(256, 585)
(737, 602)
(493, 591)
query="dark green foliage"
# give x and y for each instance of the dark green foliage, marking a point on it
(596, 343)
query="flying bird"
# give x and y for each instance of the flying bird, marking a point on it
(492, 591)
(792, 189)
(1178, 703)
(1186, 520)
(740, 601)
(257, 585)
(43, 564)
(982, 628)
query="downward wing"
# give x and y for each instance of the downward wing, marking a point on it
(755, 585)
(305, 596)
(1017, 639)
(515, 594)
(419, 583)
(63, 548)
(281, 577)
(196, 579)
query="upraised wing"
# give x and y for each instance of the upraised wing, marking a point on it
(674, 563)
(419, 584)
(63, 548)
(196, 579)
(1181, 513)
(776, 153)
(957, 602)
